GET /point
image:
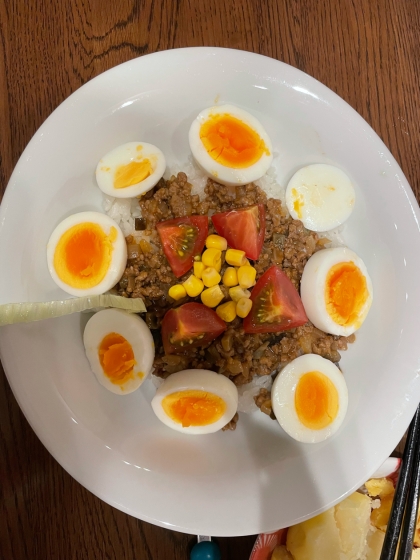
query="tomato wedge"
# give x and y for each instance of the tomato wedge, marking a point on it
(182, 240)
(244, 229)
(276, 304)
(188, 326)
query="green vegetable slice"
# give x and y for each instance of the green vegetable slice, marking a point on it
(27, 312)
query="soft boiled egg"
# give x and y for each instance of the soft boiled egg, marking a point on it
(336, 291)
(196, 401)
(309, 398)
(320, 196)
(230, 145)
(120, 350)
(130, 170)
(87, 254)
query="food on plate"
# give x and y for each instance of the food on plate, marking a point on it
(347, 531)
(37, 311)
(192, 325)
(343, 531)
(130, 170)
(232, 352)
(182, 239)
(120, 350)
(205, 279)
(230, 145)
(276, 305)
(87, 254)
(336, 291)
(309, 398)
(321, 196)
(243, 229)
(196, 401)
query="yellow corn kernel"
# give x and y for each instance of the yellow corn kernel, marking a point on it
(230, 277)
(246, 276)
(212, 257)
(237, 293)
(227, 311)
(210, 277)
(193, 286)
(177, 292)
(198, 269)
(216, 242)
(235, 257)
(218, 266)
(212, 296)
(243, 307)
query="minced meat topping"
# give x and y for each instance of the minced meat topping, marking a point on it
(235, 354)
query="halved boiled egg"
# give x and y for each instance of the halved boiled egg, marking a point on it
(196, 401)
(130, 169)
(336, 291)
(87, 254)
(309, 398)
(120, 350)
(230, 145)
(320, 196)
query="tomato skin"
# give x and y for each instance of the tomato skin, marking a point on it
(276, 304)
(191, 321)
(175, 238)
(244, 229)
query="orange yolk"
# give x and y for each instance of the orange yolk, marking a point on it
(297, 203)
(346, 293)
(132, 173)
(193, 407)
(116, 357)
(316, 400)
(83, 255)
(231, 142)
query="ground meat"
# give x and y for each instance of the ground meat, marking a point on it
(263, 401)
(232, 424)
(234, 354)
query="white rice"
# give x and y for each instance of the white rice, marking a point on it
(246, 393)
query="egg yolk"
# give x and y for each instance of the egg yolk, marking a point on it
(316, 400)
(346, 293)
(116, 357)
(132, 173)
(297, 203)
(83, 255)
(193, 407)
(231, 142)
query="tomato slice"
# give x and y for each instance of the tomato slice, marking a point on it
(188, 326)
(182, 240)
(276, 304)
(244, 229)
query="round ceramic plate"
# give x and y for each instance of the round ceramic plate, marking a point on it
(255, 479)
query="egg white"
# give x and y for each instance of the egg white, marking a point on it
(221, 173)
(203, 380)
(325, 194)
(123, 155)
(312, 289)
(135, 331)
(283, 397)
(118, 257)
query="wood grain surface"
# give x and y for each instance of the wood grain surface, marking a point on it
(366, 51)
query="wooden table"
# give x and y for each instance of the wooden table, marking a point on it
(366, 51)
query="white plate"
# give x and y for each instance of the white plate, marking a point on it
(256, 479)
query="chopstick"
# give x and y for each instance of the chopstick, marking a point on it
(406, 497)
